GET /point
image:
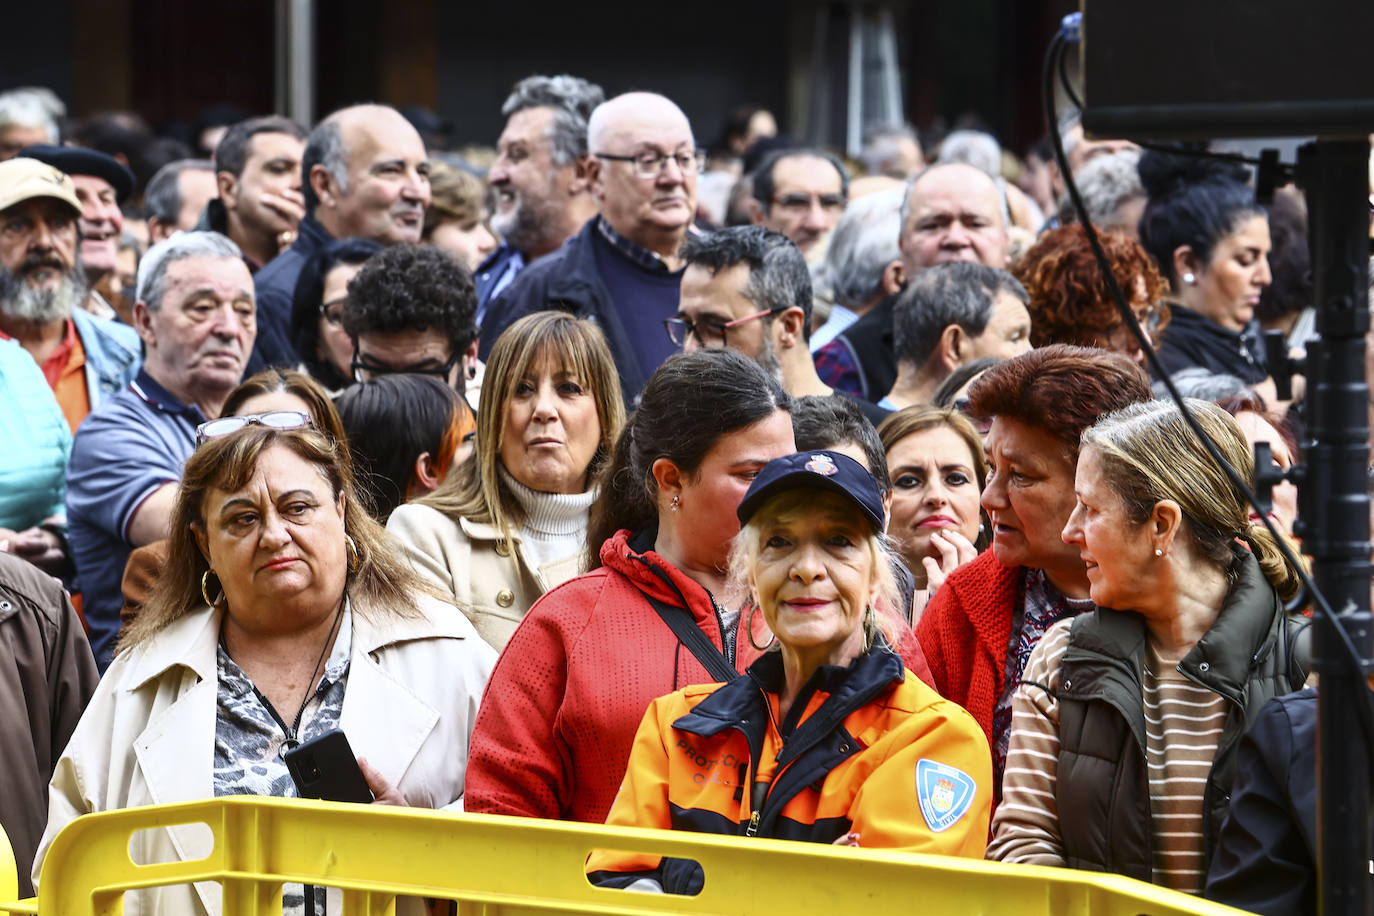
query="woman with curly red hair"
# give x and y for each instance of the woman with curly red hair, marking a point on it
(1069, 299)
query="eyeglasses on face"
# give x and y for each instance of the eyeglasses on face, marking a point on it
(651, 163)
(708, 333)
(275, 419)
(333, 310)
(366, 369)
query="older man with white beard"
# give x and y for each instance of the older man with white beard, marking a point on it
(84, 358)
(540, 180)
(196, 315)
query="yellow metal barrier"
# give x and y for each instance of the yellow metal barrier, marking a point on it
(499, 866)
(9, 872)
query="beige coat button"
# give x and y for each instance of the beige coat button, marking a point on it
(505, 597)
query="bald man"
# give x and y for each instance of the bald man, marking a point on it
(622, 268)
(363, 175)
(952, 212)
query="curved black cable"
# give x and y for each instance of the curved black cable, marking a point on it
(1052, 56)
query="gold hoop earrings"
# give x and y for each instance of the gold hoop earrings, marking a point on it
(749, 630)
(353, 559)
(205, 588)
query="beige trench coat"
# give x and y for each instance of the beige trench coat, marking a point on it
(147, 736)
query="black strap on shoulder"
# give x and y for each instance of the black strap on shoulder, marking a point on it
(689, 634)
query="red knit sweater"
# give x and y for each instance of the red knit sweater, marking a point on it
(964, 633)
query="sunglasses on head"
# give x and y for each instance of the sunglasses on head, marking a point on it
(275, 419)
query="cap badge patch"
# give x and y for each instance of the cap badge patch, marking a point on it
(944, 793)
(821, 464)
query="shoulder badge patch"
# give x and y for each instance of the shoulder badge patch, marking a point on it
(944, 793)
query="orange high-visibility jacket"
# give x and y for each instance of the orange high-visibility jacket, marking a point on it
(868, 749)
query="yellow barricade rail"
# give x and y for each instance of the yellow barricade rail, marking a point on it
(500, 866)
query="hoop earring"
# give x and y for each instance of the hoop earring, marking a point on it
(352, 553)
(205, 587)
(749, 631)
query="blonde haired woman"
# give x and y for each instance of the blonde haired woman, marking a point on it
(510, 523)
(1126, 722)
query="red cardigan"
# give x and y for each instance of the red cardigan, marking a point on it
(964, 633)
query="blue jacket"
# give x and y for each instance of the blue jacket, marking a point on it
(275, 287)
(114, 354)
(33, 465)
(489, 273)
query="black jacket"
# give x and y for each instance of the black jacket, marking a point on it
(1250, 654)
(568, 280)
(1192, 340)
(1265, 859)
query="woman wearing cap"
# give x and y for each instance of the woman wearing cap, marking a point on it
(826, 738)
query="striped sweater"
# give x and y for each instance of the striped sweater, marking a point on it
(1184, 724)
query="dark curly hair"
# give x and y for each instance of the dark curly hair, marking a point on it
(1069, 299)
(413, 287)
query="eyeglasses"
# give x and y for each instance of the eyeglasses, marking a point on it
(982, 424)
(364, 371)
(1151, 319)
(802, 203)
(651, 163)
(276, 419)
(708, 333)
(333, 310)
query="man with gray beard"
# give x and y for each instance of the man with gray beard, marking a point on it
(748, 288)
(539, 181)
(84, 358)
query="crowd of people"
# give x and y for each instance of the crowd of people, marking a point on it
(749, 489)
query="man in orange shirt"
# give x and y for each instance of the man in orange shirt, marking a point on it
(83, 358)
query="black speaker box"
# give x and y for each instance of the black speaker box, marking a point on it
(1161, 69)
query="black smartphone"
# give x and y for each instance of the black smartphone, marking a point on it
(326, 768)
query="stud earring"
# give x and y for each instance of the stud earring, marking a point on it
(675, 504)
(1189, 279)
(1158, 552)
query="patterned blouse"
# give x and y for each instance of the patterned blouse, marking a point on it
(248, 738)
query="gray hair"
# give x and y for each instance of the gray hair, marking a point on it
(1107, 182)
(882, 146)
(778, 276)
(961, 293)
(975, 148)
(863, 243)
(572, 100)
(915, 180)
(1203, 384)
(28, 108)
(325, 148)
(162, 198)
(152, 270)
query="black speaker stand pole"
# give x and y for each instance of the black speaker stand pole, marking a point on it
(1334, 174)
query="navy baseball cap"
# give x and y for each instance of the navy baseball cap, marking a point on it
(821, 469)
(77, 160)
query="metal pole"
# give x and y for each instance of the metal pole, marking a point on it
(295, 60)
(1335, 509)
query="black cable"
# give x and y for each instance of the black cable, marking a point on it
(1052, 57)
(1068, 87)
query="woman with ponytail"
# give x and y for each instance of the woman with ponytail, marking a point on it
(1125, 725)
(556, 725)
(1210, 239)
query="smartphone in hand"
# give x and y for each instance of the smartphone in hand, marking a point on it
(326, 768)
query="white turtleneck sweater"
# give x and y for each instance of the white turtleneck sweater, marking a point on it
(555, 525)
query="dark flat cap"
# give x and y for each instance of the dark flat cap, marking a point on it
(77, 160)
